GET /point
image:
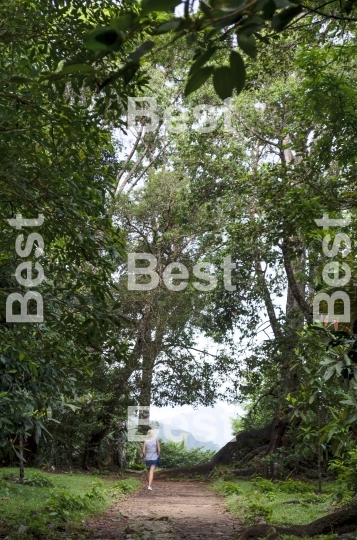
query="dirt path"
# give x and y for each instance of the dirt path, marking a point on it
(172, 511)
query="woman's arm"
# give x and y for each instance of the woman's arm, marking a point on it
(143, 449)
(158, 448)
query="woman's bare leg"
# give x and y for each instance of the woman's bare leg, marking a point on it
(151, 474)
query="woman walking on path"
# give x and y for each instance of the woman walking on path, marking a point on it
(151, 454)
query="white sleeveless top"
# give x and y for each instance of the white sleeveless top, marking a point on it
(151, 450)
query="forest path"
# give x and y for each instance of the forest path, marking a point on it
(172, 511)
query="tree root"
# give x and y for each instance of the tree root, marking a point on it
(243, 444)
(255, 452)
(342, 521)
(250, 471)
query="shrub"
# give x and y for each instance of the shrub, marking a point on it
(347, 474)
(137, 466)
(38, 480)
(62, 504)
(37, 528)
(287, 486)
(295, 486)
(230, 488)
(254, 510)
(265, 486)
(312, 498)
(127, 486)
(96, 493)
(10, 476)
(4, 488)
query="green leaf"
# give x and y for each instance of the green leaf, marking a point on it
(167, 27)
(348, 7)
(129, 73)
(238, 71)
(76, 68)
(328, 361)
(348, 402)
(228, 5)
(198, 79)
(223, 82)
(352, 355)
(226, 21)
(351, 419)
(17, 79)
(201, 60)
(103, 39)
(282, 19)
(269, 9)
(280, 4)
(70, 406)
(251, 25)
(247, 44)
(205, 8)
(329, 373)
(143, 49)
(123, 23)
(341, 334)
(147, 6)
(338, 367)
(191, 38)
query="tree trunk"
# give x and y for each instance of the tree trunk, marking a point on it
(243, 443)
(53, 446)
(21, 459)
(122, 463)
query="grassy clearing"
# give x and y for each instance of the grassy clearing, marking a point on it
(281, 503)
(49, 500)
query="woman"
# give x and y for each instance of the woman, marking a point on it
(151, 454)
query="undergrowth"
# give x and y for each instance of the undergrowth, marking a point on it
(281, 502)
(45, 502)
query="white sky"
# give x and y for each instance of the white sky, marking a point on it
(205, 423)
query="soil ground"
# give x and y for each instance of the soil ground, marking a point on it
(172, 511)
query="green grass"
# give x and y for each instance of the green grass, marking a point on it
(248, 499)
(73, 496)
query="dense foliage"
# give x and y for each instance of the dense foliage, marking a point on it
(280, 155)
(175, 454)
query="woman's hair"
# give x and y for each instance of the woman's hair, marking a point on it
(150, 434)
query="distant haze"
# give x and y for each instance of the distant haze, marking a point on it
(167, 433)
(210, 427)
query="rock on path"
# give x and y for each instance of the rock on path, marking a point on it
(172, 511)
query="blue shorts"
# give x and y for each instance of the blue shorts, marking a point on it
(151, 463)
